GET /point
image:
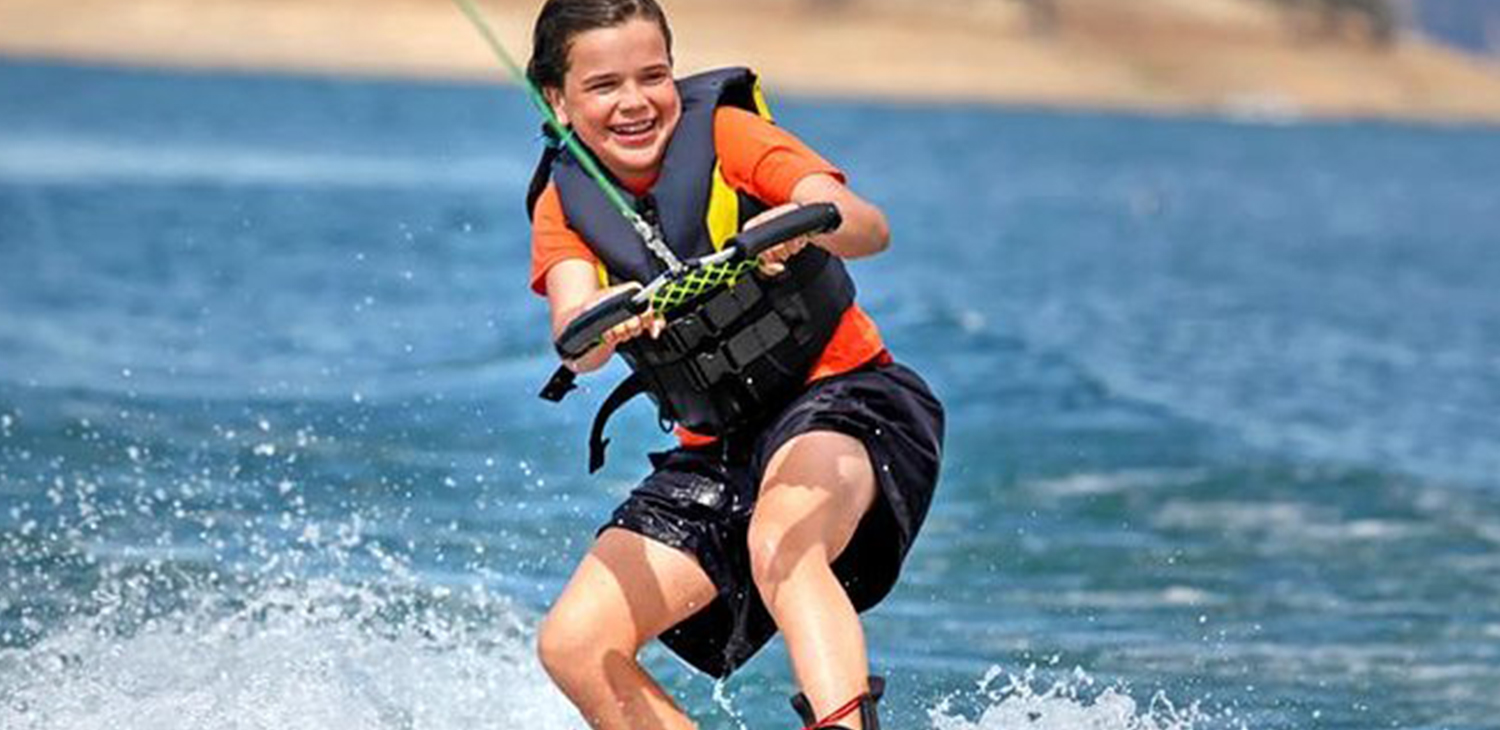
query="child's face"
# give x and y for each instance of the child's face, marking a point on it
(620, 97)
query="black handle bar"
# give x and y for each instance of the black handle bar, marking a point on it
(583, 333)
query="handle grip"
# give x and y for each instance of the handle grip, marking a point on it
(808, 219)
(583, 333)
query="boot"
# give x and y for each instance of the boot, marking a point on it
(865, 703)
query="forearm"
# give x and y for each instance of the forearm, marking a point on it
(864, 231)
(589, 361)
(572, 287)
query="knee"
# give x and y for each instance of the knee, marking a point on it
(574, 648)
(775, 552)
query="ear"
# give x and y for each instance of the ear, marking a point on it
(555, 100)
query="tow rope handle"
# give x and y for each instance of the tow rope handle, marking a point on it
(806, 220)
(584, 332)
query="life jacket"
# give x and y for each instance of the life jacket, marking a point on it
(731, 355)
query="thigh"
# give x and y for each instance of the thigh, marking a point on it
(630, 588)
(814, 491)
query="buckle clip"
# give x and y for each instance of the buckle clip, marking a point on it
(562, 382)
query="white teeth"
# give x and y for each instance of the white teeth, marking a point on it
(636, 128)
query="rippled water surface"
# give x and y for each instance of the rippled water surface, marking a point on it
(1223, 414)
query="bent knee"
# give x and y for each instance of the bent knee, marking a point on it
(571, 644)
(776, 550)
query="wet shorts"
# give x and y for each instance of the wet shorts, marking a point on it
(700, 501)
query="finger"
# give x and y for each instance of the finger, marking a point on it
(619, 333)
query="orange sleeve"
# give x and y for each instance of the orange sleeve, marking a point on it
(552, 241)
(762, 159)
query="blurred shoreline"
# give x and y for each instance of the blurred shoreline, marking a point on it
(1243, 58)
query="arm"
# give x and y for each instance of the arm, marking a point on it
(573, 287)
(864, 231)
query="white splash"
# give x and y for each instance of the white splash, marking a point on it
(1069, 704)
(312, 656)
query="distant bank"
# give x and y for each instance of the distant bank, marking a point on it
(1242, 57)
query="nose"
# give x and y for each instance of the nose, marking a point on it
(632, 97)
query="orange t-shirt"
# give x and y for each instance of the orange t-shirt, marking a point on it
(759, 158)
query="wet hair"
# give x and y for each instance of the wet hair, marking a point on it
(562, 20)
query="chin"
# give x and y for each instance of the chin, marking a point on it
(639, 163)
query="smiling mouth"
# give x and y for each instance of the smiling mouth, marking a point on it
(633, 130)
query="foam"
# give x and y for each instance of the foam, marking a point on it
(309, 655)
(1069, 703)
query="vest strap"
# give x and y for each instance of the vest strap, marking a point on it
(723, 308)
(630, 387)
(559, 385)
(734, 356)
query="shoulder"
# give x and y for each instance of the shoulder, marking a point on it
(552, 240)
(547, 210)
(740, 130)
(734, 119)
(762, 158)
(549, 222)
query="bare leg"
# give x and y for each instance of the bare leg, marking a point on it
(815, 490)
(624, 593)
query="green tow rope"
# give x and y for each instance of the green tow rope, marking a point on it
(648, 233)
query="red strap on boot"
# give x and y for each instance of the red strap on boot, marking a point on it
(839, 714)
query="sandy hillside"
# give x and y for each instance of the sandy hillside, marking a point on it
(1240, 56)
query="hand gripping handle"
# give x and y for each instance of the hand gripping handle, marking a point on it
(808, 219)
(584, 332)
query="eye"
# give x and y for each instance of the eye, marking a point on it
(602, 85)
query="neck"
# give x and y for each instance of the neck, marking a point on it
(638, 184)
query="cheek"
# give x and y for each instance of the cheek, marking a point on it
(593, 114)
(670, 106)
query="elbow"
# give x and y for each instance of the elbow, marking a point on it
(880, 234)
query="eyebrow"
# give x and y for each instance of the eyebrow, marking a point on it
(614, 75)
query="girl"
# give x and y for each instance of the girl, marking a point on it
(808, 457)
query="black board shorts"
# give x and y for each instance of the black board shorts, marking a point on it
(699, 500)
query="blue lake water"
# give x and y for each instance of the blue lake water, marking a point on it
(1224, 406)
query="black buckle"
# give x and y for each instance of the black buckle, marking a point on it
(729, 305)
(559, 385)
(711, 367)
(685, 334)
(744, 348)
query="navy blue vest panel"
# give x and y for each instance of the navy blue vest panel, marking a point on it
(678, 199)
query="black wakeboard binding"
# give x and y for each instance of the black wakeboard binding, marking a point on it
(867, 716)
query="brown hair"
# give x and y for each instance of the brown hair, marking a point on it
(561, 20)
